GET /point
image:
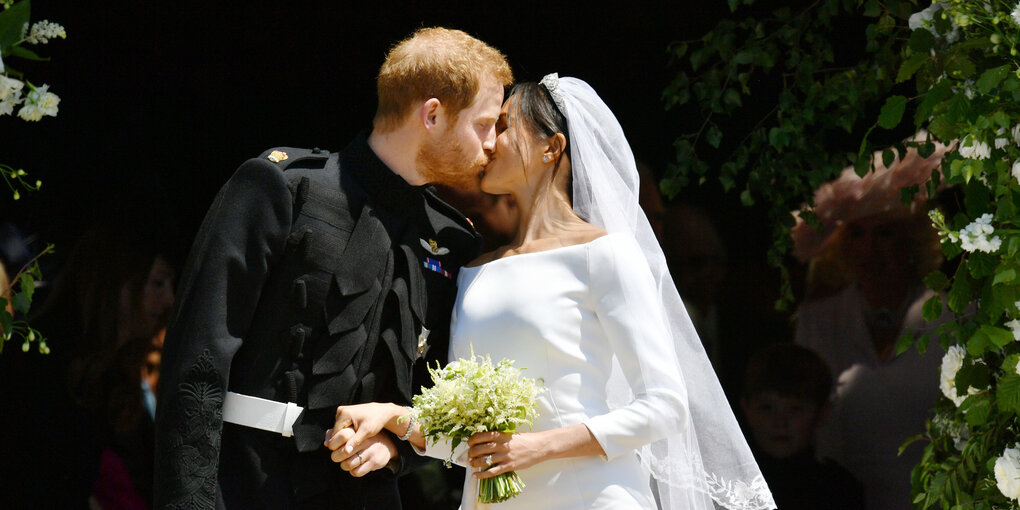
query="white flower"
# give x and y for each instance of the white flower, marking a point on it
(30, 112)
(925, 19)
(1014, 326)
(951, 364)
(1017, 370)
(1016, 172)
(39, 102)
(974, 237)
(1007, 473)
(1016, 14)
(43, 31)
(974, 149)
(9, 87)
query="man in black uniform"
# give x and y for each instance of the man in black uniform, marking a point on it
(322, 279)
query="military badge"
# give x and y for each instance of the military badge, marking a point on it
(434, 265)
(433, 247)
(277, 156)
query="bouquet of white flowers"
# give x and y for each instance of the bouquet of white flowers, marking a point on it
(471, 396)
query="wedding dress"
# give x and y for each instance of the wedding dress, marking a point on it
(561, 315)
(602, 325)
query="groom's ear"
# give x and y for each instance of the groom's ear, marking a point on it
(431, 113)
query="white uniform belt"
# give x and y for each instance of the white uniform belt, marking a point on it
(260, 413)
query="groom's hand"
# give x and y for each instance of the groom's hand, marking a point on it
(373, 453)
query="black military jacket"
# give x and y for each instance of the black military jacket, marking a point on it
(310, 285)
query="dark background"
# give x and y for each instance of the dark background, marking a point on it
(161, 101)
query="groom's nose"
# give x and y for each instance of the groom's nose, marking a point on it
(489, 144)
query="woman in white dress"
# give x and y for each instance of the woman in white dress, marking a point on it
(582, 299)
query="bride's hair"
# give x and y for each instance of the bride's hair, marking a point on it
(533, 105)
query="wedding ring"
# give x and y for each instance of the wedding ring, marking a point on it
(360, 460)
(488, 460)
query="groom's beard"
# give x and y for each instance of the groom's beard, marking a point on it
(444, 161)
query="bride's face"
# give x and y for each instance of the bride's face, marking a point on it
(513, 162)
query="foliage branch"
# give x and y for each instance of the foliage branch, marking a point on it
(950, 69)
(32, 104)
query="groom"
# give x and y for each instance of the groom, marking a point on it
(319, 279)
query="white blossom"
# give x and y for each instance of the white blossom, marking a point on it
(974, 149)
(951, 364)
(974, 237)
(925, 19)
(9, 87)
(1007, 472)
(1016, 14)
(1014, 326)
(1016, 170)
(43, 31)
(39, 102)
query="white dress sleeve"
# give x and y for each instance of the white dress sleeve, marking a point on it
(625, 300)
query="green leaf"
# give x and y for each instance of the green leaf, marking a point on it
(713, 136)
(921, 42)
(905, 341)
(1008, 392)
(27, 54)
(981, 265)
(926, 149)
(888, 156)
(976, 409)
(977, 344)
(998, 336)
(960, 294)
(892, 112)
(779, 138)
(733, 5)
(936, 280)
(11, 22)
(1004, 275)
(932, 308)
(908, 442)
(991, 78)
(911, 64)
(746, 199)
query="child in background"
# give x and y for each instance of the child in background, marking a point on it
(785, 397)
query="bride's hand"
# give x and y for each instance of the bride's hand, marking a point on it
(501, 453)
(367, 420)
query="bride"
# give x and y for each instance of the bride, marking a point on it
(582, 299)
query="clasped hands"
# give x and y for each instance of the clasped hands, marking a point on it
(357, 445)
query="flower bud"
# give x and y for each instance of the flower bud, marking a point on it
(17, 196)
(31, 336)
(995, 38)
(21, 172)
(24, 347)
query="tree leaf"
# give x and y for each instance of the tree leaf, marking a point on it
(713, 136)
(998, 336)
(921, 42)
(905, 341)
(936, 280)
(1004, 275)
(911, 64)
(11, 22)
(932, 308)
(888, 156)
(991, 78)
(892, 112)
(27, 54)
(1008, 393)
(960, 293)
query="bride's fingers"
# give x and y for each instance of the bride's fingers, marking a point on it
(488, 437)
(339, 439)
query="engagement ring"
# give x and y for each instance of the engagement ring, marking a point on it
(488, 460)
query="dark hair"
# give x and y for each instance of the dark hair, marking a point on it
(789, 370)
(84, 313)
(534, 105)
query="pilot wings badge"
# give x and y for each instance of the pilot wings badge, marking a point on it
(433, 247)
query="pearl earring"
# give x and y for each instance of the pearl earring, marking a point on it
(545, 159)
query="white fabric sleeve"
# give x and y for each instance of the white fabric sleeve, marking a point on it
(626, 302)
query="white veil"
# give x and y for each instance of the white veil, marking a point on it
(707, 459)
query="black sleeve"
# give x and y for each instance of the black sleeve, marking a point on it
(242, 236)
